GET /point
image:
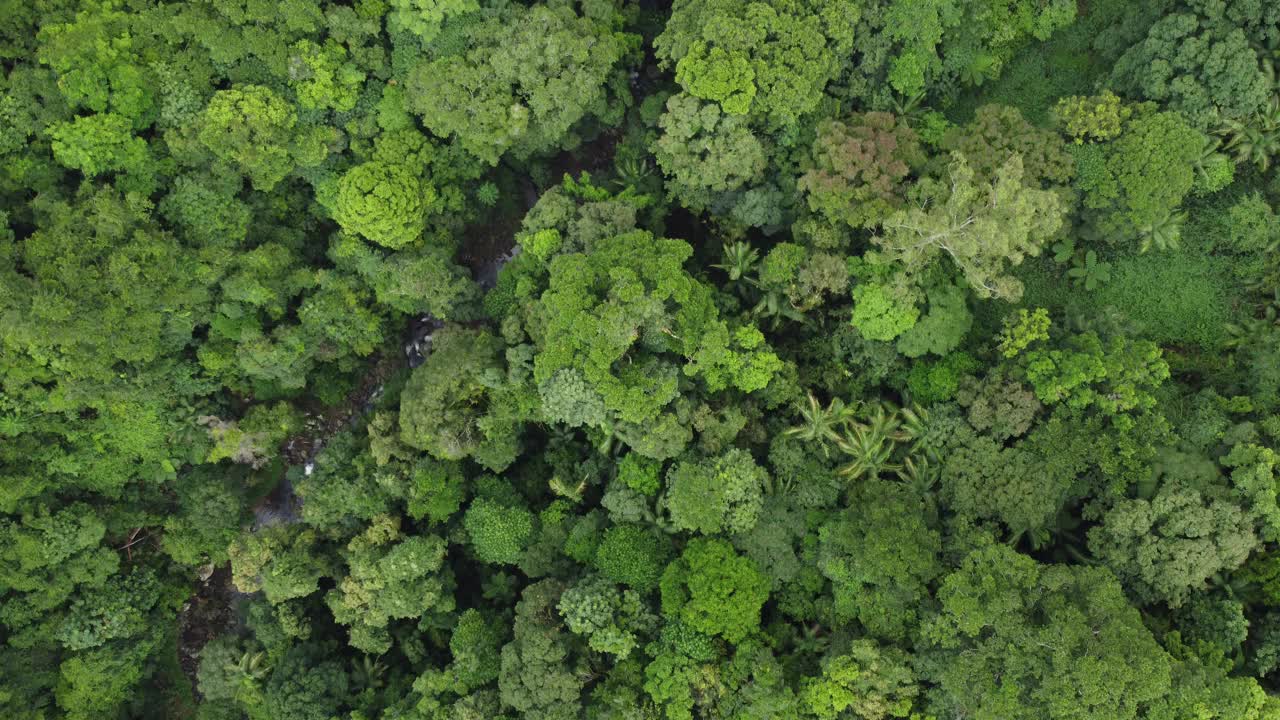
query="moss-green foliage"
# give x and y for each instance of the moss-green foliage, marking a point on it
(1139, 180)
(1115, 376)
(252, 128)
(519, 82)
(1200, 65)
(99, 143)
(879, 315)
(880, 556)
(1239, 227)
(497, 533)
(606, 616)
(424, 17)
(1133, 540)
(983, 480)
(535, 677)
(1095, 647)
(1065, 64)
(384, 203)
(631, 555)
(211, 517)
(998, 132)
(278, 561)
(705, 153)
(631, 298)
(1092, 118)
(455, 405)
(639, 473)
(327, 78)
(936, 381)
(935, 46)
(867, 680)
(764, 60)
(942, 326)
(1045, 286)
(438, 489)
(983, 225)
(389, 576)
(714, 590)
(474, 644)
(721, 494)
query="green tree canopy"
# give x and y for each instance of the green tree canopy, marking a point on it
(521, 78)
(1019, 640)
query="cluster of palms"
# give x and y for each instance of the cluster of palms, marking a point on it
(877, 438)
(1256, 139)
(1252, 326)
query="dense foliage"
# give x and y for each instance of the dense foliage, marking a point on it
(610, 360)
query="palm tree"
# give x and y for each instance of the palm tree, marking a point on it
(821, 425)
(871, 451)
(909, 108)
(915, 424)
(1089, 271)
(1252, 325)
(631, 170)
(811, 639)
(1209, 159)
(567, 489)
(871, 444)
(1063, 534)
(919, 474)
(775, 306)
(367, 674)
(1257, 139)
(252, 669)
(739, 260)
(1163, 232)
